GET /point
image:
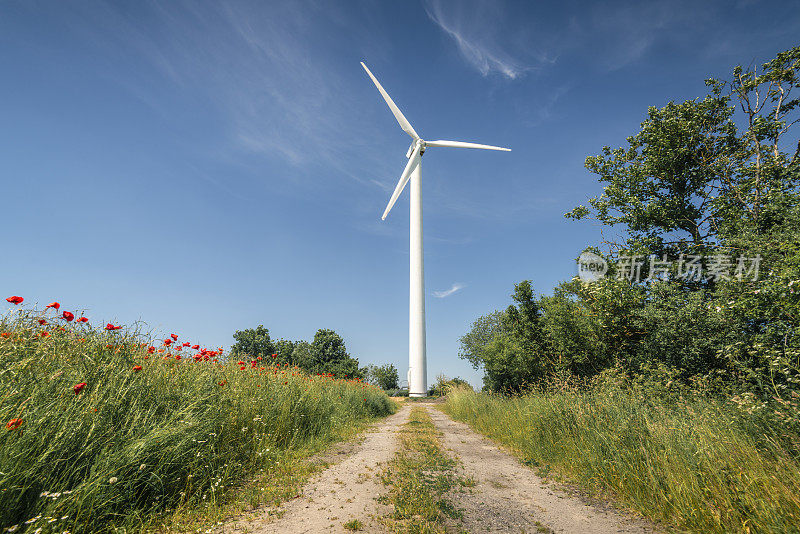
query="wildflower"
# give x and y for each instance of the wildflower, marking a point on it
(42, 321)
(223, 382)
(174, 337)
(68, 316)
(110, 326)
(6, 334)
(15, 299)
(177, 356)
(54, 305)
(142, 467)
(44, 334)
(14, 424)
(195, 347)
(113, 480)
(242, 368)
(137, 368)
(151, 350)
(186, 344)
(168, 342)
(77, 388)
(274, 355)
(83, 320)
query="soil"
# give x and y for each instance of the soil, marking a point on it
(507, 496)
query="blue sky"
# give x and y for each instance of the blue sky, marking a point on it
(211, 166)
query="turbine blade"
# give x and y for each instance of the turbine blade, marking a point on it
(461, 144)
(401, 119)
(413, 161)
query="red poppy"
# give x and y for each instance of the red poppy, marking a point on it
(240, 363)
(44, 334)
(197, 357)
(177, 356)
(186, 344)
(174, 337)
(77, 388)
(223, 382)
(151, 350)
(83, 320)
(110, 326)
(42, 321)
(6, 334)
(195, 347)
(168, 342)
(68, 316)
(14, 424)
(242, 368)
(54, 305)
(15, 299)
(137, 368)
(274, 355)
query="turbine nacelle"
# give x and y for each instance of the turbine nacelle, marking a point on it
(413, 145)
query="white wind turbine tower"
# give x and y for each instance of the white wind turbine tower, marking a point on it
(417, 364)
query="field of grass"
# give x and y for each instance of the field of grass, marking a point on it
(699, 464)
(106, 429)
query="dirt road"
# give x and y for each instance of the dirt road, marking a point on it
(507, 496)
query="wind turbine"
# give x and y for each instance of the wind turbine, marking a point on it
(417, 363)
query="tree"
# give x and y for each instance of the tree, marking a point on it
(329, 355)
(516, 357)
(385, 376)
(689, 177)
(284, 352)
(253, 342)
(302, 355)
(473, 343)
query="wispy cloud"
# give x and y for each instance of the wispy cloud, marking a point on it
(476, 28)
(264, 74)
(446, 293)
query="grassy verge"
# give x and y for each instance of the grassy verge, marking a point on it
(699, 464)
(104, 430)
(419, 478)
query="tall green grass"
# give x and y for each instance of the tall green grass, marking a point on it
(135, 443)
(696, 463)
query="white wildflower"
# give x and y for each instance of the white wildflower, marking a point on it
(113, 480)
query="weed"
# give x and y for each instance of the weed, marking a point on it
(354, 525)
